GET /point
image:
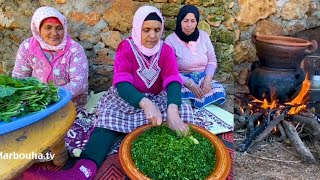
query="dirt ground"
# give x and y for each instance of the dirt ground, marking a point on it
(272, 161)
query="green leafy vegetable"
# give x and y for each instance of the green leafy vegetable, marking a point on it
(161, 154)
(19, 97)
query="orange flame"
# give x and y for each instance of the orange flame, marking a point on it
(266, 104)
(298, 102)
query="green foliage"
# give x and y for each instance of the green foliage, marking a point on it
(161, 154)
(222, 35)
(19, 97)
(218, 10)
(216, 18)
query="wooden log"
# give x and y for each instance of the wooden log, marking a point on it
(265, 132)
(240, 122)
(317, 147)
(250, 136)
(252, 119)
(315, 129)
(311, 122)
(297, 144)
(283, 135)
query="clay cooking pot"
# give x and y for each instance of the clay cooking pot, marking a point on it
(281, 51)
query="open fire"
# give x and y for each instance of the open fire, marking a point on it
(278, 100)
(264, 118)
(297, 105)
(299, 102)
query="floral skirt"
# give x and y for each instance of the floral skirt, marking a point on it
(216, 96)
(112, 112)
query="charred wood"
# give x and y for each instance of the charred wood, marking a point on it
(251, 136)
(265, 132)
(239, 122)
(252, 119)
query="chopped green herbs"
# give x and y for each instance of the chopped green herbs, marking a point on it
(160, 154)
(19, 97)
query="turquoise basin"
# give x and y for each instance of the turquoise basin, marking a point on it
(17, 123)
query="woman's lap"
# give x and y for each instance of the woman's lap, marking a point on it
(216, 96)
(116, 114)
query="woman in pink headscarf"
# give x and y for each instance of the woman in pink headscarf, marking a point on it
(51, 55)
(146, 90)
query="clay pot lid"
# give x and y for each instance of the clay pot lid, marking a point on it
(283, 40)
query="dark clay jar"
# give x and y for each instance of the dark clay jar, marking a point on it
(263, 82)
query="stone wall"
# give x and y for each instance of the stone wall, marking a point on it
(272, 17)
(100, 25)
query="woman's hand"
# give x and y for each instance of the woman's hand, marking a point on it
(195, 89)
(61, 82)
(151, 111)
(174, 121)
(206, 84)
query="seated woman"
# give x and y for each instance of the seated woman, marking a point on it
(146, 89)
(196, 60)
(51, 55)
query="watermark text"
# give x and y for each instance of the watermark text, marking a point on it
(32, 155)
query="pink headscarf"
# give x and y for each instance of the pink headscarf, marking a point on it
(39, 15)
(138, 20)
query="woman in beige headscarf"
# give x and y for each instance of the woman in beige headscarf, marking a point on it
(146, 90)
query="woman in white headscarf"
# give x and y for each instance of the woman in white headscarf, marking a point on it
(146, 90)
(51, 55)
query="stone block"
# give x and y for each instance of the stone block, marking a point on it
(252, 10)
(120, 15)
(294, 9)
(1, 68)
(61, 1)
(170, 9)
(245, 51)
(194, 2)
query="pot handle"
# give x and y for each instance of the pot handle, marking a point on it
(312, 47)
(254, 38)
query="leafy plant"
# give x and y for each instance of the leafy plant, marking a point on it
(161, 154)
(19, 97)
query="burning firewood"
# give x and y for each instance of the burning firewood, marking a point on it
(261, 119)
(279, 90)
(266, 131)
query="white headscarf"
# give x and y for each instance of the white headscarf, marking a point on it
(137, 23)
(39, 15)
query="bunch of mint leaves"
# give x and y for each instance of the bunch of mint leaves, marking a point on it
(19, 97)
(161, 154)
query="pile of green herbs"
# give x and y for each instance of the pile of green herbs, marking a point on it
(161, 154)
(19, 97)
